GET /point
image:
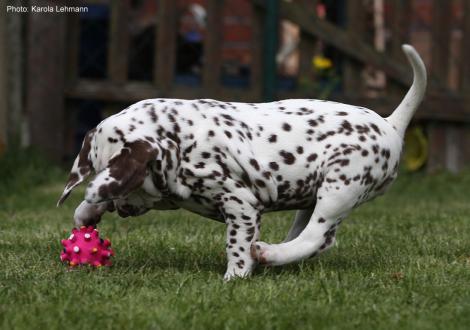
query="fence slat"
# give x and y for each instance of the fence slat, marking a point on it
(356, 21)
(4, 90)
(165, 50)
(44, 97)
(73, 47)
(256, 82)
(307, 49)
(465, 54)
(441, 42)
(400, 27)
(118, 52)
(213, 46)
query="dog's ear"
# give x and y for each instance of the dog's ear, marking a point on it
(126, 171)
(81, 168)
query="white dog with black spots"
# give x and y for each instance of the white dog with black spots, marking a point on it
(232, 162)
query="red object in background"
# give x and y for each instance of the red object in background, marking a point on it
(85, 247)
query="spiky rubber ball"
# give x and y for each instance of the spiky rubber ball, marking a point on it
(85, 247)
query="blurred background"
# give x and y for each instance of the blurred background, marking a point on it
(61, 74)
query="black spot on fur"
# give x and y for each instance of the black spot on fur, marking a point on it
(289, 158)
(286, 127)
(274, 166)
(312, 157)
(254, 163)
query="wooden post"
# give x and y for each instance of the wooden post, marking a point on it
(271, 30)
(118, 53)
(307, 48)
(400, 26)
(256, 82)
(72, 78)
(445, 153)
(465, 146)
(73, 47)
(464, 83)
(213, 47)
(441, 42)
(437, 147)
(45, 81)
(465, 54)
(353, 82)
(3, 82)
(165, 49)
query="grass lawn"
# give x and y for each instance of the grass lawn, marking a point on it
(402, 261)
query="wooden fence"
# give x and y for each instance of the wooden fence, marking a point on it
(445, 112)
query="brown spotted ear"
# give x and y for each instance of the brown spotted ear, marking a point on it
(125, 172)
(81, 168)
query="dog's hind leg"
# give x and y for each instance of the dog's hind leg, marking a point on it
(300, 221)
(317, 236)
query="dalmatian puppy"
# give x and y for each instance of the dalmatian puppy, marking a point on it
(232, 162)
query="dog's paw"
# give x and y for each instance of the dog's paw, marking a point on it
(232, 273)
(263, 253)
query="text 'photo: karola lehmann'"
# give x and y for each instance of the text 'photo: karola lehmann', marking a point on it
(46, 9)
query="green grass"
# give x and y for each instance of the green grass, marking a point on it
(402, 261)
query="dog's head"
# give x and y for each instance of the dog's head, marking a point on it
(137, 169)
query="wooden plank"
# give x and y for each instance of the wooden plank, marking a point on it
(256, 79)
(465, 145)
(353, 82)
(70, 129)
(345, 41)
(437, 147)
(307, 48)
(465, 54)
(213, 47)
(137, 91)
(45, 64)
(453, 146)
(165, 49)
(73, 46)
(400, 27)
(110, 91)
(270, 48)
(441, 42)
(435, 106)
(447, 146)
(118, 52)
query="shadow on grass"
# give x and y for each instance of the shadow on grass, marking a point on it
(213, 262)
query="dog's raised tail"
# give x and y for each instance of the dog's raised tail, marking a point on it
(401, 117)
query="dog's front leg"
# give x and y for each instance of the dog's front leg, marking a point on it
(243, 223)
(89, 214)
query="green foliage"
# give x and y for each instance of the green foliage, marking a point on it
(22, 169)
(402, 262)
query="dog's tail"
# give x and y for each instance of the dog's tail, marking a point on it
(402, 115)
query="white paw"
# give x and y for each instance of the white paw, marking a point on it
(235, 272)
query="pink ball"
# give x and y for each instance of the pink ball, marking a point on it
(85, 247)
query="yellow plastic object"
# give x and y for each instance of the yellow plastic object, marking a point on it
(321, 63)
(416, 149)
